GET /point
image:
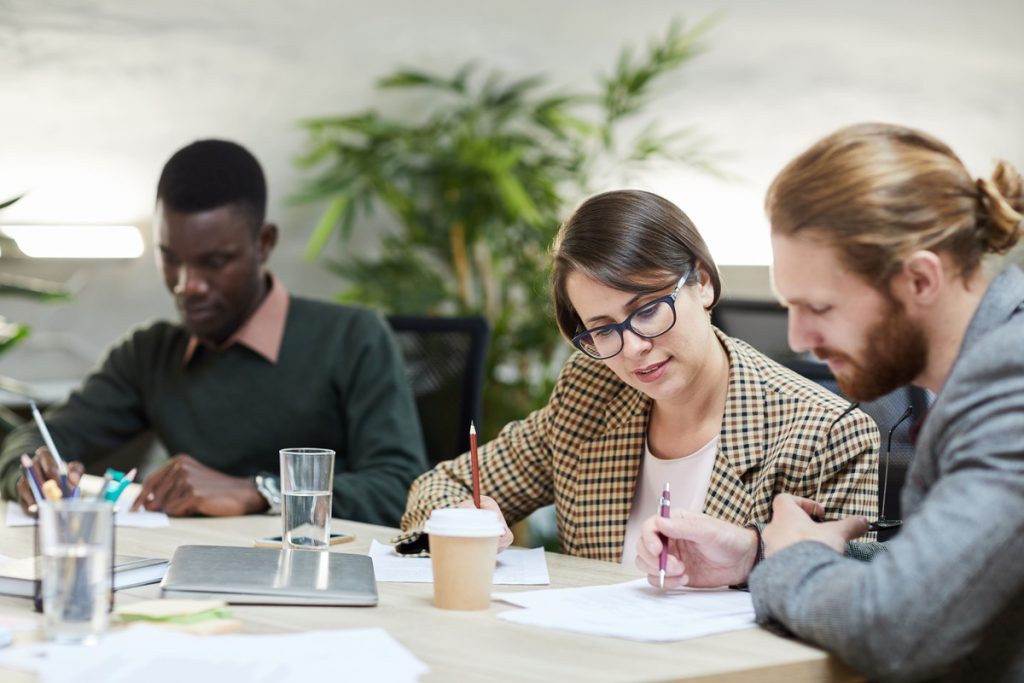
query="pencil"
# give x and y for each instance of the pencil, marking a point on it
(476, 464)
(62, 469)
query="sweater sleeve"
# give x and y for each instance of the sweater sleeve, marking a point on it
(385, 449)
(103, 414)
(515, 470)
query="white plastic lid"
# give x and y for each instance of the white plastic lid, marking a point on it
(468, 522)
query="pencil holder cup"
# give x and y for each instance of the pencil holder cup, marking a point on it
(75, 549)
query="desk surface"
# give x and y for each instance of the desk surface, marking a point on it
(474, 646)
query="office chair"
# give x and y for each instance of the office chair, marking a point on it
(445, 359)
(886, 412)
(760, 323)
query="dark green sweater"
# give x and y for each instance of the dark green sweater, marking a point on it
(339, 383)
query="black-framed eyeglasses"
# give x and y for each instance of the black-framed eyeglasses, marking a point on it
(651, 320)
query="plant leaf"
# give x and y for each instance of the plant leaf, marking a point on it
(4, 204)
(325, 228)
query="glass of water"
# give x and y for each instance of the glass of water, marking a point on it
(76, 539)
(307, 478)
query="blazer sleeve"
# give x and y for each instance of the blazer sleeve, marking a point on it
(515, 470)
(950, 582)
(849, 479)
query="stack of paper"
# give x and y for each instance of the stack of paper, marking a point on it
(515, 567)
(19, 577)
(633, 610)
(155, 655)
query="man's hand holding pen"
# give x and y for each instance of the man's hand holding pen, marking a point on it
(45, 468)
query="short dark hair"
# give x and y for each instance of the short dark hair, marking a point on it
(629, 240)
(209, 174)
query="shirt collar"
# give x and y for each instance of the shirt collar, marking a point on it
(262, 332)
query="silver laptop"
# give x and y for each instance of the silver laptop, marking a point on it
(265, 576)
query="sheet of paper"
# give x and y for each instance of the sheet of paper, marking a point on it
(17, 622)
(141, 519)
(516, 566)
(633, 610)
(155, 655)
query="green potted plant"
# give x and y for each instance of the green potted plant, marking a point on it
(11, 333)
(473, 190)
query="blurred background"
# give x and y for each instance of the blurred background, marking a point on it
(95, 96)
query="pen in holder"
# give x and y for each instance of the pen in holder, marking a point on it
(114, 484)
(74, 587)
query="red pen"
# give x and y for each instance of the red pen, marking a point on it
(663, 508)
(476, 464)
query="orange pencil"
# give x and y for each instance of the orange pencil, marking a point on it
(476, 464)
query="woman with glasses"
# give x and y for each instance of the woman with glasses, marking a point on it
(656, 395)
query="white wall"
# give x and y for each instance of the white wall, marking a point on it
(94, 96)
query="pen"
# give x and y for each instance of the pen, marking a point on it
(663, 508)
(61, 467)
(476, 464)
(102, 493)
(127, 479)
(33, 479)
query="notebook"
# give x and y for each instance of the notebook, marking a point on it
(18, 577)
(265, 576)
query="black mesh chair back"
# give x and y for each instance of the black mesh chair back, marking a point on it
(445, 359)
(886, 412)
(762, 324)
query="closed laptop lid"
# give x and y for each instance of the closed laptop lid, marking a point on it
(269, 576)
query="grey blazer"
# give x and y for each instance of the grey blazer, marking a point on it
(946, 601)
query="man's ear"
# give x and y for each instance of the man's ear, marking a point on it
(921, 279)
(266, 240)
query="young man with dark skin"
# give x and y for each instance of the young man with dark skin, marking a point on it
(886, 253)
(249, 370)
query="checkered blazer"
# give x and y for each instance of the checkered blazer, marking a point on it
(582, 452)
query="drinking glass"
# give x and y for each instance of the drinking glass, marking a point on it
(76, 539)
(307, 478)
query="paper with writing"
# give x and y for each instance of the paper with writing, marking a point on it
(633, 610)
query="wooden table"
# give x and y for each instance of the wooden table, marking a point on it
(472, 646)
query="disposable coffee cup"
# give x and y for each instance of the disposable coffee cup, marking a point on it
(463, 551)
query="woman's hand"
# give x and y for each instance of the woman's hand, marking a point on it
(488, 503)
(703, 551)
